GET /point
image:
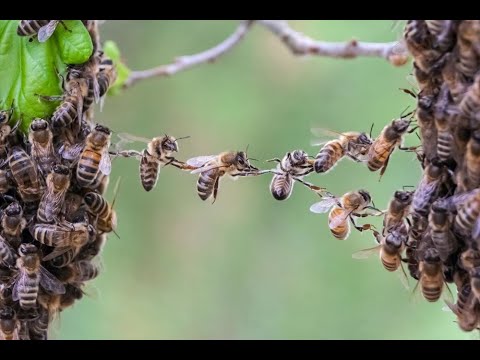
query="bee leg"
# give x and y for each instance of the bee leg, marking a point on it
(215, 190)
(354, 158)
(384, 167)
(65, 26)
(274, 160)
(50, 98)
(310, 186)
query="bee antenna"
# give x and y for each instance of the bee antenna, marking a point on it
(371, 129)
(183, 137)
(115, 192)
(253, 159)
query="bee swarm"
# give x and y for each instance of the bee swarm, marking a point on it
(54, 219)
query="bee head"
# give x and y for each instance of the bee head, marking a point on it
(39, 125)
(103, 129)
(27, 249)
(14, 209)
(403, 196)
(7, 313)
(364, 139)
(61, 169)
(297, 157)
(365, 196)
(400, 125)
(394, 239)
(169, 143)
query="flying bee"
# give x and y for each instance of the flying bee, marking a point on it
(106, 216)
(94, 157)
(13, 223)
(212, 168)
(353, 145)
(8, 322)
(30, 276)
(24, 172)
(159, 153)
(443, 239)
(42, 151)
(43, 28)
(383, 146)
(431, 275)
(293, 167)
(58, 182)
(350, 205)
(397, 210)
(427, 188)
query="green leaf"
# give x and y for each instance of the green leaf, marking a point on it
(28, 68)
(110, 48)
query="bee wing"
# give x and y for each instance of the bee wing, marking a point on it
(126, 137)
(96, 89)
(20, 281)
(105, 163)
(56, 252)
(324, 205)
(366, 253)
(50, 282)
(46, 31)
(322, 132)
(72, 152)
(199, 162)
(447, 294)
(403, 277)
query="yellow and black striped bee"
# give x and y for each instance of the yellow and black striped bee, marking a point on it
(52, 202)
(44, 29)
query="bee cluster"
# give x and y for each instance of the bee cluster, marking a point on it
(54, 218)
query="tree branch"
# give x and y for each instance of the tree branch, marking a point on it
(188, 61)
(300, 44)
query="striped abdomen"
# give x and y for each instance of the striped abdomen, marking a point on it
(379, 153)
(444, 144)
(50, 235)
(97, 204)
(206, 183)
(88, 167)
(24, 172)
(149, 170)
(444, 243)
(38, 328)
(281, 186)
(466, 216)
(328, 156)
(30, 27)
(64, 259)
(390, 262)
(467, 59)
(28, 291)
(432, 287)
(342, 230)
(472, 168)
(88, 100)
(65, 113)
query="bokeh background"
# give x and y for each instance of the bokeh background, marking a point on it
(248, 266)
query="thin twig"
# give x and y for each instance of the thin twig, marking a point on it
(300, 44)
(188, 61)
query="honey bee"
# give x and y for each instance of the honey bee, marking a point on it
(467, 221)
(62, 236)
(353, 145)
(71, 108)
(411, 258)
(24, 172)
(464, 309)
(443, 239)
(443, 31)
(453, 79)
(293, 167)
(431, 275)
(212, 168)
(383, 146)
(397, 210)
(83, 271)
(427, 189)
(419, 43)
(13, 224)
(86, 75)
(104, 212)
(350, 205)
(30, 276)
(442, 123)
(390, 250)
(468, 49)
(470, 103)
(93, 248)
(42, 151)
(43, 28)
(8, 322)
(106, 77)
(58, 182)
(159, 153)
(94, 157)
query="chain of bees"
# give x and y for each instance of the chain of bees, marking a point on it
(55, 220)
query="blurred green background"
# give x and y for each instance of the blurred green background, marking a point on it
(250, 267)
